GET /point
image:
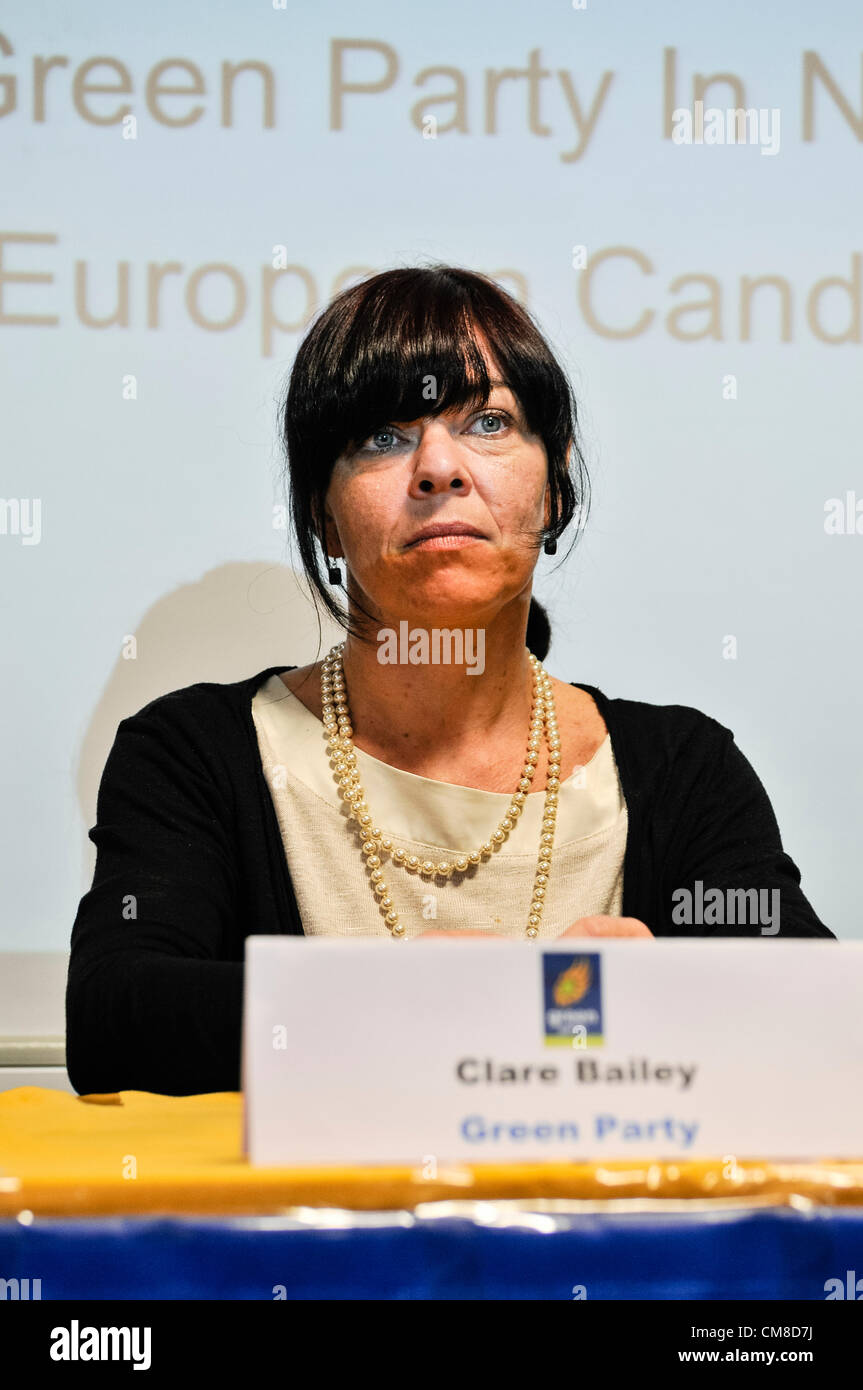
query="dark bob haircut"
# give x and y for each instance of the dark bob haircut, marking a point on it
(366, 361)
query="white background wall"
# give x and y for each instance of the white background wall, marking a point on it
(157, 511)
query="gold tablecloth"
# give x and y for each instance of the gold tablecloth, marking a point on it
(136, 1153)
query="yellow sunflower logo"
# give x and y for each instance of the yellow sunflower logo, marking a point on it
(572, 984)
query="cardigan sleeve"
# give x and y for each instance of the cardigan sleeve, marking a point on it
(150, 1005)
(727, 839)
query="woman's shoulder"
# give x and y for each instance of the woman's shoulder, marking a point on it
(195, 728)
(202, 699)
(653, 725)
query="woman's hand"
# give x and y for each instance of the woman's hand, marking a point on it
(585, 926)
(432, 935)
(608, 926)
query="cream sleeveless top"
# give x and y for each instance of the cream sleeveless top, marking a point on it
(434, 820)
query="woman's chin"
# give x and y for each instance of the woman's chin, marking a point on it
(442, 611)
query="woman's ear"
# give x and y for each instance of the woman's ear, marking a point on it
(328, 531)
(547, 499)
(546, 508)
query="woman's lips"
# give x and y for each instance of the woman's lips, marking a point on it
(445, 542)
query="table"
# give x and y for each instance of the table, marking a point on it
(144, 1196)
(494, 1252)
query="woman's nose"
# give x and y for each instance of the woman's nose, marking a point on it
(437, 466)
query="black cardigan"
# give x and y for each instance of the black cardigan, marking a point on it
(190, 862)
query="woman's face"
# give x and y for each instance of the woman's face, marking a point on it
(478, 467)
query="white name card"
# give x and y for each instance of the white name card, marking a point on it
(379, 1051)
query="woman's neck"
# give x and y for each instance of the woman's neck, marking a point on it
(423, 712)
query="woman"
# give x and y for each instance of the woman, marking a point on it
(427, 779)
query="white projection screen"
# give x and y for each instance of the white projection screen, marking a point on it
(185, 185)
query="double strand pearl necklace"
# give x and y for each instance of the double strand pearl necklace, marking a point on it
(337, 722)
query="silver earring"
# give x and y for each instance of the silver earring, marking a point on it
(335, 574)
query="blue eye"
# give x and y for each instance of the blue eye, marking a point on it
(493, 415)
(368, 446)
(376, 435)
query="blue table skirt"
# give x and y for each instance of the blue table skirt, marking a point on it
(775, 1253)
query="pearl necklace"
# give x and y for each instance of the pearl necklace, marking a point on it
(337, 722)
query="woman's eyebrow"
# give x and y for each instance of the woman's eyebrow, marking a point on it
(506, 387)
(492, 384)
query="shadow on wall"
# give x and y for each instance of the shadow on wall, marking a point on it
(236, 620)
